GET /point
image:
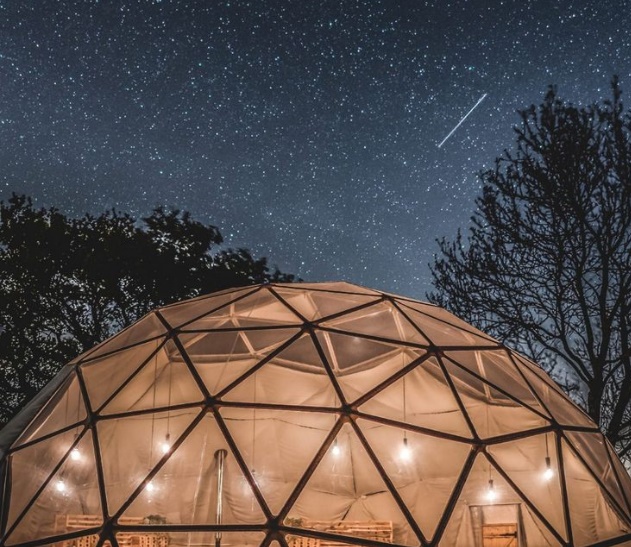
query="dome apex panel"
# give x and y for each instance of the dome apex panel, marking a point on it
(307, 415)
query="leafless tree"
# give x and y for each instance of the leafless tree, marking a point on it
(546, 263)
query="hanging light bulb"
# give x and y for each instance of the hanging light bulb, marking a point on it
(60, 486)
(491, 494)
(75, 454)
(406, 452)
(165, 446)
(336, 450)
(549, 472)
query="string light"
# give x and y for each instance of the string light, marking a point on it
(75, 454)
(406, 452)
(549, 472)
(165, 446)
(491, 493)
(336, 450)
(150, 487)
(60, 486)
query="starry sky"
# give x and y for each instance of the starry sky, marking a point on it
(305, 130)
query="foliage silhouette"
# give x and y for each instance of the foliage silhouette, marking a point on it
(67, 284)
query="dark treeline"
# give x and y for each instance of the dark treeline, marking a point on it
(68, 283)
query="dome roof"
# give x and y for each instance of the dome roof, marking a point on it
(307, 415)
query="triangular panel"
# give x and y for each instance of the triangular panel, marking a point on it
(277, 446)
(441, 325)
(65, 408)
(33, 465)
(593, 449)
(484, 503)
(562, 409)
(524, 461)
(160, 383)
(429, 401)
(261, 308)
(73, 490)
(104, 376)
(220, 358)
(315, 305)
(333, 286)
(498, 370)
(346, 489)
(296, 376)
(381, 320)
(491, 412)
(360, 364)
(177, 315)
(194, 471)
(131, 447)
(148, 328)
(592, 515)
(421, 468)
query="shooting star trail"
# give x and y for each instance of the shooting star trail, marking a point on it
(462, 120)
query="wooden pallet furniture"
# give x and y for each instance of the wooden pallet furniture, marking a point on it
(366, 529)
(73, 523)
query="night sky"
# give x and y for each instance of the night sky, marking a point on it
(305, 130)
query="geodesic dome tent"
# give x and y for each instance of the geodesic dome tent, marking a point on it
(307, 415)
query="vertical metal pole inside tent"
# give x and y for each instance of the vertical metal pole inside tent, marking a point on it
(220, 456)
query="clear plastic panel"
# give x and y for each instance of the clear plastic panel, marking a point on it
(593, 449)
(64, 409)
(482, 506)
(561, 408)
(220, 358)
(31, 467)
(622, 474)
(179, 314)
(421, 468)
(498, 370)
(277, 446)
(70, 501)
(442, 333)
(160, 383)
(360, 364)
(381, 320)
(147, 328)
(131, 447)
(443, 316)
(261, 309)
(200, 475)
(593, 518)
(346, 493)
(278, 383)
(104, 376)
(315, 305)
(491, 412)
(524, 461)
(429, 401)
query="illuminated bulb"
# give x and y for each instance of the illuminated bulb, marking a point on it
(549, 472)
(150, 487)
(165, 446)
(60, 486)
(75, 455)
(406, 452)
(336, 450)
(491, 494)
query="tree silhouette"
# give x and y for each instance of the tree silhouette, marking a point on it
(67, 284)
(546, 265)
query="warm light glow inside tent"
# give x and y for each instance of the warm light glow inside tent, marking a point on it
(307, 415)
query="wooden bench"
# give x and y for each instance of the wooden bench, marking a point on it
(367, 529)
(65, 524)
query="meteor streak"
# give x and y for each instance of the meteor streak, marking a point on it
(462, 120)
